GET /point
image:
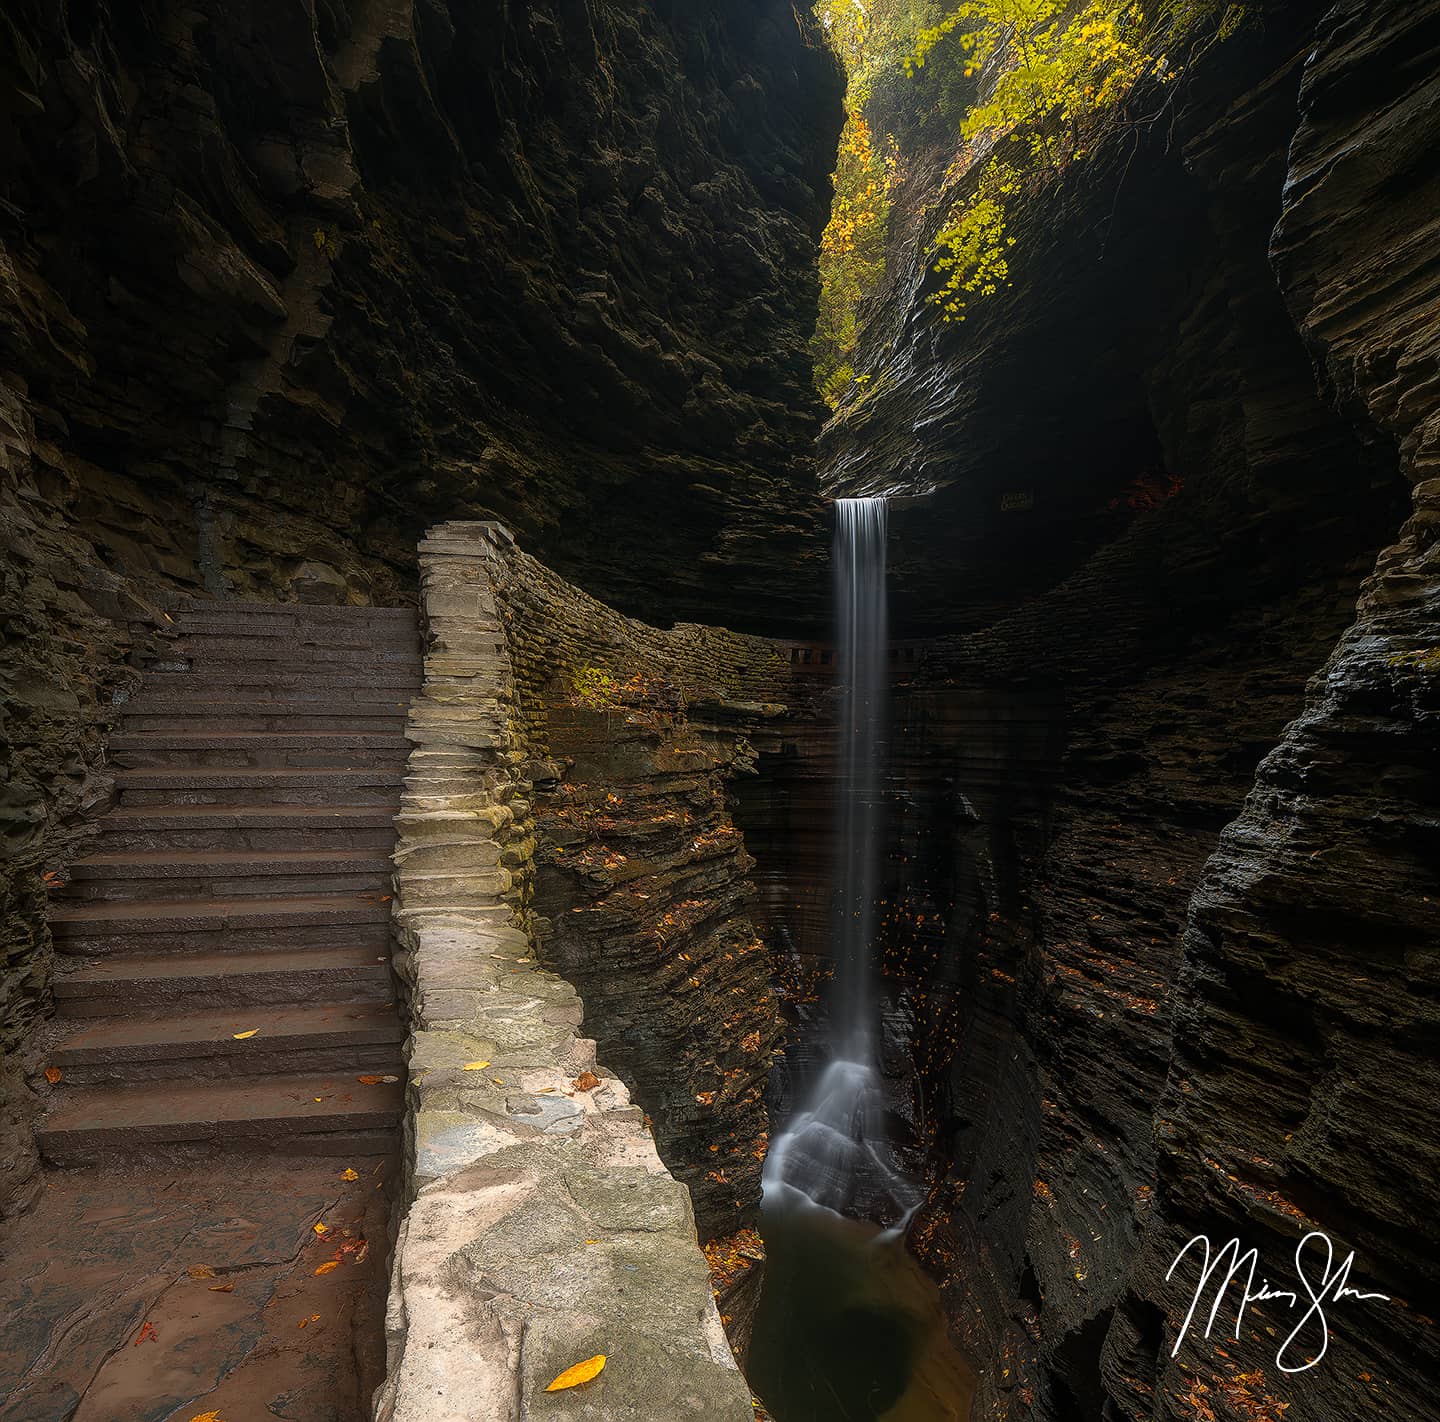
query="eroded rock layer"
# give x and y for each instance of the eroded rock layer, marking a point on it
(1152, 477)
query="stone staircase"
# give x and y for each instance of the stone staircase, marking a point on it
(223, 952)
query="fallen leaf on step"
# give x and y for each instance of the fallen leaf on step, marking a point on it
(369, 1080)
(586, 1081)
(200, 1271)
(580, 1373)
(146, 1333)
(348, 1174)
(476, 1066)
(329, 1266)
(222, 1288)
(314, 1318)
(207, 1417)
(241, 1036)
(320, 1228)
(53, 1074)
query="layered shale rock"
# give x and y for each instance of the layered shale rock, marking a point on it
(333, 273)
(642, 890)
(1302, 1080)
(1139, 499)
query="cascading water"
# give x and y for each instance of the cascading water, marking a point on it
(848, 1328)
(835, 1155)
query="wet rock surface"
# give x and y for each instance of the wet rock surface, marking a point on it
(182, 1288)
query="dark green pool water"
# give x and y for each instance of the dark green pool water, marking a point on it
(849, 1328)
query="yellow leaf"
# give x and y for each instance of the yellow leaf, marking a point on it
(348, 1175)
(200, 1271)
(222, 1288)
(328, 1266)
(207, 1417)
(580, 1373)
(476, 1066)
(321, 1228)
(241, 1036)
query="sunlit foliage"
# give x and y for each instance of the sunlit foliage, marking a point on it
(1054, 82)
(1033, 86)
(852, 251)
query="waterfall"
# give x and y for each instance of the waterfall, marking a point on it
(835, 1154)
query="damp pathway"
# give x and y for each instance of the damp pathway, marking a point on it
(223, 1079)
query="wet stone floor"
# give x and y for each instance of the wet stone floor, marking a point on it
(228, 1290)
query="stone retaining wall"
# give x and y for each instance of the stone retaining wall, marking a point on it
(541, 1227)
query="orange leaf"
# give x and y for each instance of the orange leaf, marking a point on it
(348, 1175)
(200, 1271)
(369, 1080)
(586, 1081)
(146, 1334)
(207, 1417)
(53, 1074)
(580, 1373)
(327, 1267)
(222, 1288)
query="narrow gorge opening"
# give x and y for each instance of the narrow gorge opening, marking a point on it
(716, 709)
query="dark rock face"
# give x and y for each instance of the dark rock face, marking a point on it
(1303, 1076)
(280, 287)
(1149, 1043)
(350, 271)
(642, 896)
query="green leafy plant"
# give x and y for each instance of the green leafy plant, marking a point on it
(1056, 80)
(595, 688)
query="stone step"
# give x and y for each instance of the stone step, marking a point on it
(272, 828)
(267, 716)
(379, 631)
(213, 650)
(223, 873)
(260, 749)
(288, 1039)
(215, 924)
(215, 980)
(263, 1113)
(276, 684)
(223, 610)
(295, 787)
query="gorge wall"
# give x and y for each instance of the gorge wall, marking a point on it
(277, 290)
(1151, 478)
